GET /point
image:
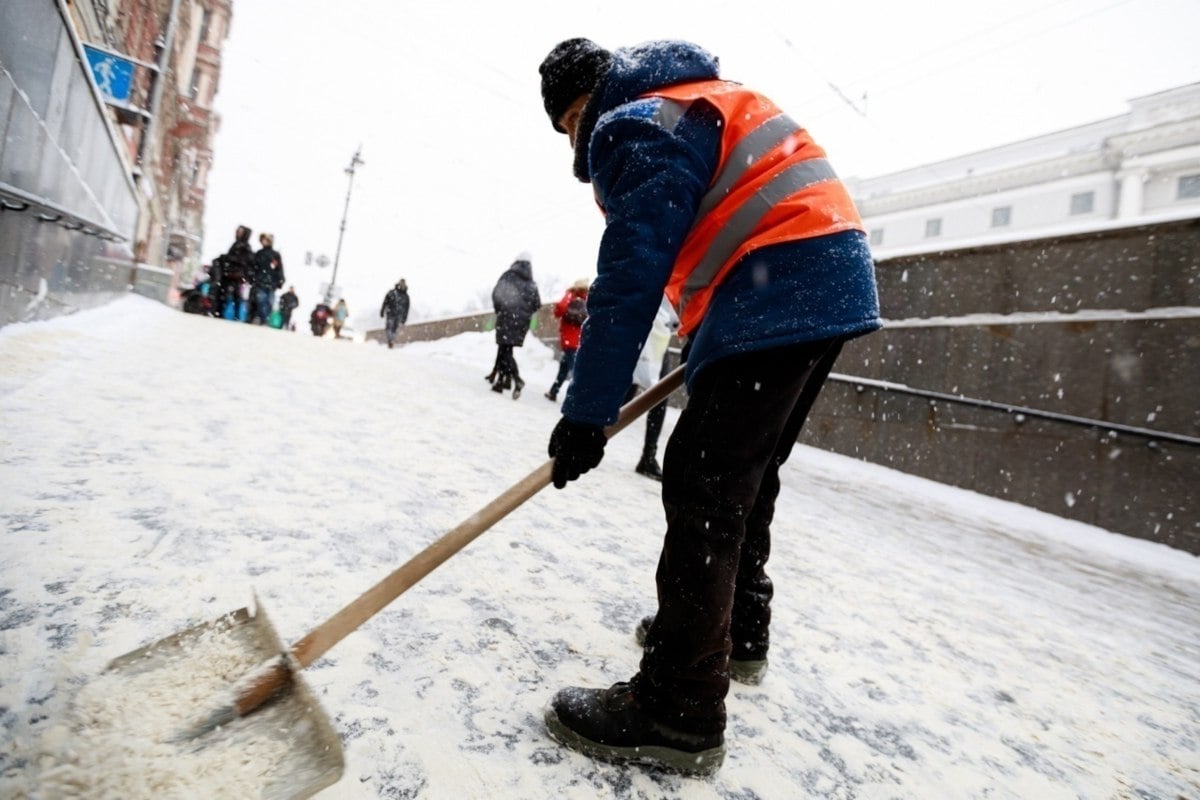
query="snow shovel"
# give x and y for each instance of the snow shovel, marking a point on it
(278, 677)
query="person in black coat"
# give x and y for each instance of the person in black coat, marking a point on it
(236, 266)
(319, 319)
(287, 304)
(266, 277)
(395, 309)
(515, 299)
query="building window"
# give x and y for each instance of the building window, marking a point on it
(1001, 216)
(204, 23)
(933, 227)
(1189, 186)
(1082, 203)
(876, 236)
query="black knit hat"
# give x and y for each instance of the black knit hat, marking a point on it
(573, 68)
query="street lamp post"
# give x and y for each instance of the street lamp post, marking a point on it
(354, 162)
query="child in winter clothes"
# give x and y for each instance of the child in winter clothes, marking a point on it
(571, 312)
(340, 314)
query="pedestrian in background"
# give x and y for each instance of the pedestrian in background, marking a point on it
(395, 310)
(515, 300)
(288, 302)
(340, 315)
(320, 318)
(571, 312)
(715, 197)
(265, 278)
(235, 268)
(652, 367)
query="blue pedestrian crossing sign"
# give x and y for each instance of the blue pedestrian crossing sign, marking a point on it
(113, 74)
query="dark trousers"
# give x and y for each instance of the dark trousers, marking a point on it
(260, 304)
(720, 482)
(655, 418)
(565, 366)
(393, 323)
(506, 366)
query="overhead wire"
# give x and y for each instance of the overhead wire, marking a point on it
(890, 136)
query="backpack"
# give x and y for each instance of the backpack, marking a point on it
(576, 312)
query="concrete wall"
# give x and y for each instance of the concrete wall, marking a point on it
(1102, 326)
(545, 327)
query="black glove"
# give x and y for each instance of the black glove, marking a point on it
(575, 447)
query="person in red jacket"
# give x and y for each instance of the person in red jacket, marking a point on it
(571, 312)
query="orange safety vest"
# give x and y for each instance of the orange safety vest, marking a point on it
(772, 185)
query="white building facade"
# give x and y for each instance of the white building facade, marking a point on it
(1141, 165)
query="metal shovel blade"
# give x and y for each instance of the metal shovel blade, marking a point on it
(310, 756)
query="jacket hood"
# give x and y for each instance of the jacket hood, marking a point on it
(522, 268)
(635, 71)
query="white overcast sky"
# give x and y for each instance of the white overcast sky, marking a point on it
(463, 170)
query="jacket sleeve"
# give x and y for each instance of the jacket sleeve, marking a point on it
(534, 298)
(649, 183)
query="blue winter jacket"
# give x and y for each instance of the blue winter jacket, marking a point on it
(649, 181)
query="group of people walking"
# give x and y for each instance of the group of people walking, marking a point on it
(242, 283)
(248, 281)
(515, 299)
(325, 316)
(394, 310)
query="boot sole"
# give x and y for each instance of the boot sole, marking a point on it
(701, 764)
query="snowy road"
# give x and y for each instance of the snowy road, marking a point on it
(155, 468)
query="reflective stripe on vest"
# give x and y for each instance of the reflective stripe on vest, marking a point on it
(739, 227)
(772, 184)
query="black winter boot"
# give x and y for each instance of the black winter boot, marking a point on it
(520, 384)
(610, 725)
(648, 466)
(747, 671)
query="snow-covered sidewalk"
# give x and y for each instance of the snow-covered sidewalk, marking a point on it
(156, 468)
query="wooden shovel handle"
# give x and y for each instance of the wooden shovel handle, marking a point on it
(337, 627)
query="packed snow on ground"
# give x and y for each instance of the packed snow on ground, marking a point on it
(158, 469)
